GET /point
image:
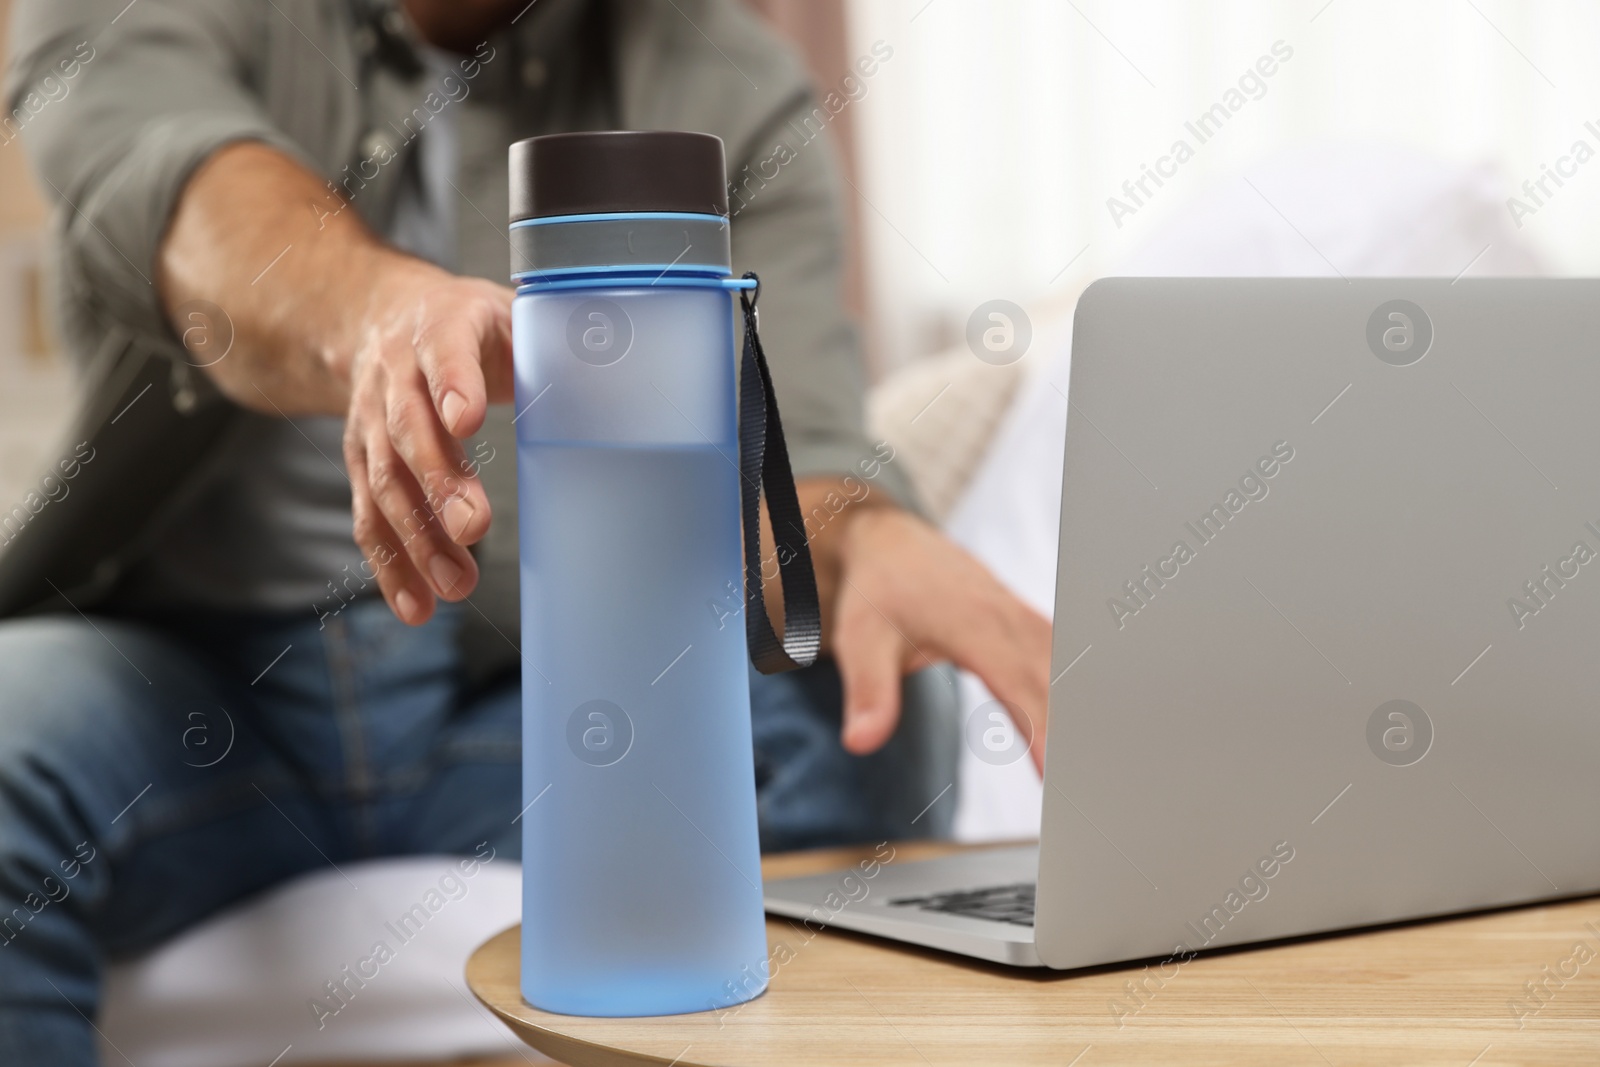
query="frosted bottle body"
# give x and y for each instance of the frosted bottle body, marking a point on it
(641, 885)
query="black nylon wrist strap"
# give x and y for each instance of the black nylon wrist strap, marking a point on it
(764, 465)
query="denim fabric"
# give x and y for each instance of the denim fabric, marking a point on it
(154, 772)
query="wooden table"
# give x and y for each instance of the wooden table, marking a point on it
(1428, 993)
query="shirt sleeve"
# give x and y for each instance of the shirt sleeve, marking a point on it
(123, 102)
(786, 223)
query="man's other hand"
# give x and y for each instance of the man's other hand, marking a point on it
(898, 596)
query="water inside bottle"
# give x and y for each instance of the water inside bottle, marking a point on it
(636, 732)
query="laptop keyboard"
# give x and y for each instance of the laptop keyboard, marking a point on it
(999, 903)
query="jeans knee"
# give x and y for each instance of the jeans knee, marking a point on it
(68, 724)
(56, 678)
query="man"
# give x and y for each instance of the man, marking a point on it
(298, 206)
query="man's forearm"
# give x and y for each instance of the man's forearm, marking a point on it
(253, 233)
(326, 319)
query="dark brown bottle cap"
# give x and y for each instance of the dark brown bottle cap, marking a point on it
(630, 170)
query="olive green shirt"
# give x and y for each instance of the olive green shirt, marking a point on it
(124, 101)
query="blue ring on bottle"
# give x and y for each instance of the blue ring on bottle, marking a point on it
(612, 216)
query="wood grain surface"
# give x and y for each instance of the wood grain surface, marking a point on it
(1520, 986)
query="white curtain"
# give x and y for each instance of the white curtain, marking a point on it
(992, 139)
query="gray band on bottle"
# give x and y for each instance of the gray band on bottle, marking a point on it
(682, 243)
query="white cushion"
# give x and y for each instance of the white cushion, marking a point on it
(238, 989)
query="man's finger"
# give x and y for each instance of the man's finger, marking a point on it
(435, 460)
(404, 588)
(451, 571)
(1013, 661)
(453, 353)
(870, 655)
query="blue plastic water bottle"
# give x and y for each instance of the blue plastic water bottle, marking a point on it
(641, 865)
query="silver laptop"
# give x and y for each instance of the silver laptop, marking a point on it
(1327, 627)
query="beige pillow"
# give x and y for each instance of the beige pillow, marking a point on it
(940, 413)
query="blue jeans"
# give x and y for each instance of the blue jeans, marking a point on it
(152, 772)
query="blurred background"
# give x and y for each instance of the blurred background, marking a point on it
(35, 392)
(990, 143)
